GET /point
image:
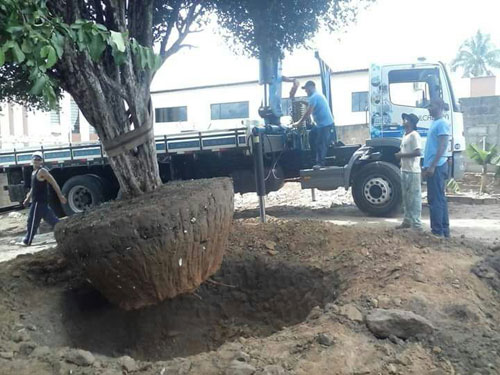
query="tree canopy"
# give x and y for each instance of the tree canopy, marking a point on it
(476, 56)
(33, 32)
(105, 53)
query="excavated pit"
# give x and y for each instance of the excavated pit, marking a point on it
(247, 297)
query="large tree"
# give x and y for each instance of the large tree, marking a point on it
(476, 56)
(102, 53)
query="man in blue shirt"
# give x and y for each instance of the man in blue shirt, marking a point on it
(320, 110)
(435, 168)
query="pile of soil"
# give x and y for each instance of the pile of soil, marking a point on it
(290, 298)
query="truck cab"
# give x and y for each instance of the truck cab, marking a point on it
(409, 88)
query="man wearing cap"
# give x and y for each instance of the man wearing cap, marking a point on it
(40, 178)
(410, 173)
(435, 168)
(319, 108)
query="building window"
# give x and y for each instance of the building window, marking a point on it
(74, 113)
(171, 114)
(224, 111)
(55, 117)
(359, 101)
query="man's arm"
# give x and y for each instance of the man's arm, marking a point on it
(306, 115)
(45, 175)
(28, 197)
(288, 79)
(413, 154)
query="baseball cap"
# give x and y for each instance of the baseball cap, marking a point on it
(412, 118)
(309, 84)
(37, 155)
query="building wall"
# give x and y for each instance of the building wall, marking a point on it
(20, 127)
(198, 101)
(481, 122)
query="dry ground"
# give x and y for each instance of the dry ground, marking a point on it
(290, 298)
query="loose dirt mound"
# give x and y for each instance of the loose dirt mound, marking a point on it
(289, 298)
(141, 251)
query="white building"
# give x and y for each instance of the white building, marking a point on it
(20, 127)
(181, 109)
(224, 106)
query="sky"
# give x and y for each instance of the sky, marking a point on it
(395, 31)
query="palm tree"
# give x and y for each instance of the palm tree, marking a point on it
(483, 158)
(476, 55)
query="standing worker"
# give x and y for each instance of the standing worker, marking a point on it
(40, 178)
(410, 173)
(318, 107)
(435, 169)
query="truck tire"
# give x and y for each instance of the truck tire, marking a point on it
(376, 189)
(82, 192)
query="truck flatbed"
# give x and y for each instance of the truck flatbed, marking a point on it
(209, 140)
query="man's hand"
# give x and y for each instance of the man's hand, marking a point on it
(63, 199)
(26, 201)
(295, 124)
(428, 172)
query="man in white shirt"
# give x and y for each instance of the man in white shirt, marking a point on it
(410, 173)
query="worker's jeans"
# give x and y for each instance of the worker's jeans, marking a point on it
(39, 210)
(412, 199)
(323, 139)
(438, 206)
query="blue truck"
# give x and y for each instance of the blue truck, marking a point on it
(370, 170)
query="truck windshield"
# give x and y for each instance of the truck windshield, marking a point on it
(414, 87)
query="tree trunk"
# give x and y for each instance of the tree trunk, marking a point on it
(113, 113)
(115, 99)
(484, 175)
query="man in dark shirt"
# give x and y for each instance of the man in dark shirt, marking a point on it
(40, 178)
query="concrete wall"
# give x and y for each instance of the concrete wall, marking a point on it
(481, 122)
(4, 195)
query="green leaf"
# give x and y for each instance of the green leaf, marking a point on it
(18, 54)
(44, 52)
(118, 40)
(2, 57)
(27, 46)
(151, 58)
(14, 29)
(51, 57)
(143, 59)
(101, 27)
(58, 43)
(96, 47)
(39, 85)
(118, 56)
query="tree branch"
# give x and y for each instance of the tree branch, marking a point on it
(111, 83)
(99, 12)
(170, 24)
(183, 29)
(140, 21)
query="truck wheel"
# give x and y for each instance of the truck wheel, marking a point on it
(83, 193)
(376, 189)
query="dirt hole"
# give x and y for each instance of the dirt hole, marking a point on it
(265, 298)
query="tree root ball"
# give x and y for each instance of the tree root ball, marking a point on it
(141, 251)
